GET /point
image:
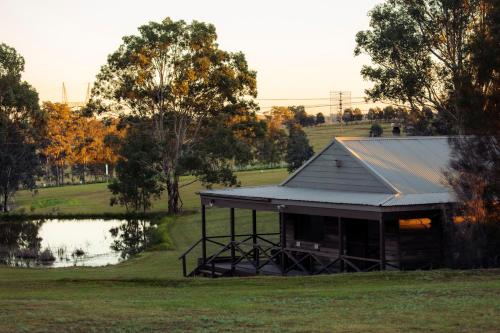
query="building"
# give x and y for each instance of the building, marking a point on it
(360, 204)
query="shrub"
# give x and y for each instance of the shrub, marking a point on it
(376, 130)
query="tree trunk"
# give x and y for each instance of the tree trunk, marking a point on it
(173, 194)
(83, 173)
(5, 201)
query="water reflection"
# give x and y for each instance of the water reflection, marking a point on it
(78, 242)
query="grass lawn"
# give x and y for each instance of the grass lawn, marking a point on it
(94, 198)
(148, 294)
(320, 136)
(438, 301)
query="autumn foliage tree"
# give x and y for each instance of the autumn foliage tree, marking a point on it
(59, 151)
(76, 141)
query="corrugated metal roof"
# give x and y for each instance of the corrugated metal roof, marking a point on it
(411, 165)
(278, 192)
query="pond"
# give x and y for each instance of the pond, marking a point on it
(75, 242)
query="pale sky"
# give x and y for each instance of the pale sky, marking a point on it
(300, 49)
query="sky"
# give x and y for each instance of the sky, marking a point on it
(300, 49)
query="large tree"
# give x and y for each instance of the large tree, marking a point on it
(175, 74)
(441, 57)
(21, 127)
(421, 54)
(475, 165)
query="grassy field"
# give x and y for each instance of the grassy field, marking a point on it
(148, 294)
(436, 301)
(94, 198)
(320, 136)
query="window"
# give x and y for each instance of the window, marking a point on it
(309, 228)
(423, 223)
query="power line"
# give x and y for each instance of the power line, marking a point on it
(292, 99)
(305, 106)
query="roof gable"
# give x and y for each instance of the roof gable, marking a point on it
(322, 172)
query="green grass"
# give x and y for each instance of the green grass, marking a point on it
(148, 294)
(92, 199)
(439, 301)
(320, 136)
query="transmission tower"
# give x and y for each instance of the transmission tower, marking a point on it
(339, 101)
(64, 99)
(87, 95)
(74, 105)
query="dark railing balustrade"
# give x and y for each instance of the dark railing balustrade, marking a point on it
(265, 256)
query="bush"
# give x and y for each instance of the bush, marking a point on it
(376, 130)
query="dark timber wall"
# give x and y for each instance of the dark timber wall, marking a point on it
(421, 247)
(407, 246)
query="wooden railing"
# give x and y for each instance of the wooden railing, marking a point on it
(209, 260)
(266, 254)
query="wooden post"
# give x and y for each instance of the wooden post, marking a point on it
(282, 242)
(203, 234)
(443, 223)
(341, 243)
(282, 231)
(184, 268)
(254, 238)
(398, 230)
(233, 239)
(382, 243)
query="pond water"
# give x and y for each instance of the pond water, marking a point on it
(75, 242)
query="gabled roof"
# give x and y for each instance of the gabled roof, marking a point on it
(397, 171)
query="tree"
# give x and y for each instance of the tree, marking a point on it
(474, 176)
(421, 51)
(298, 148)
(441, 57)
(376, 130)
(475, 164)
(78, 140)
(301, 117)
(272, 146)
(347, 115)
(402, 114)
(279, 116)
(299, 114)
(389, 113)
(357, 115)
(21, 127)
(371, 115)
(138, 171)
(62, 126)
(320, 118)
(174, 74)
